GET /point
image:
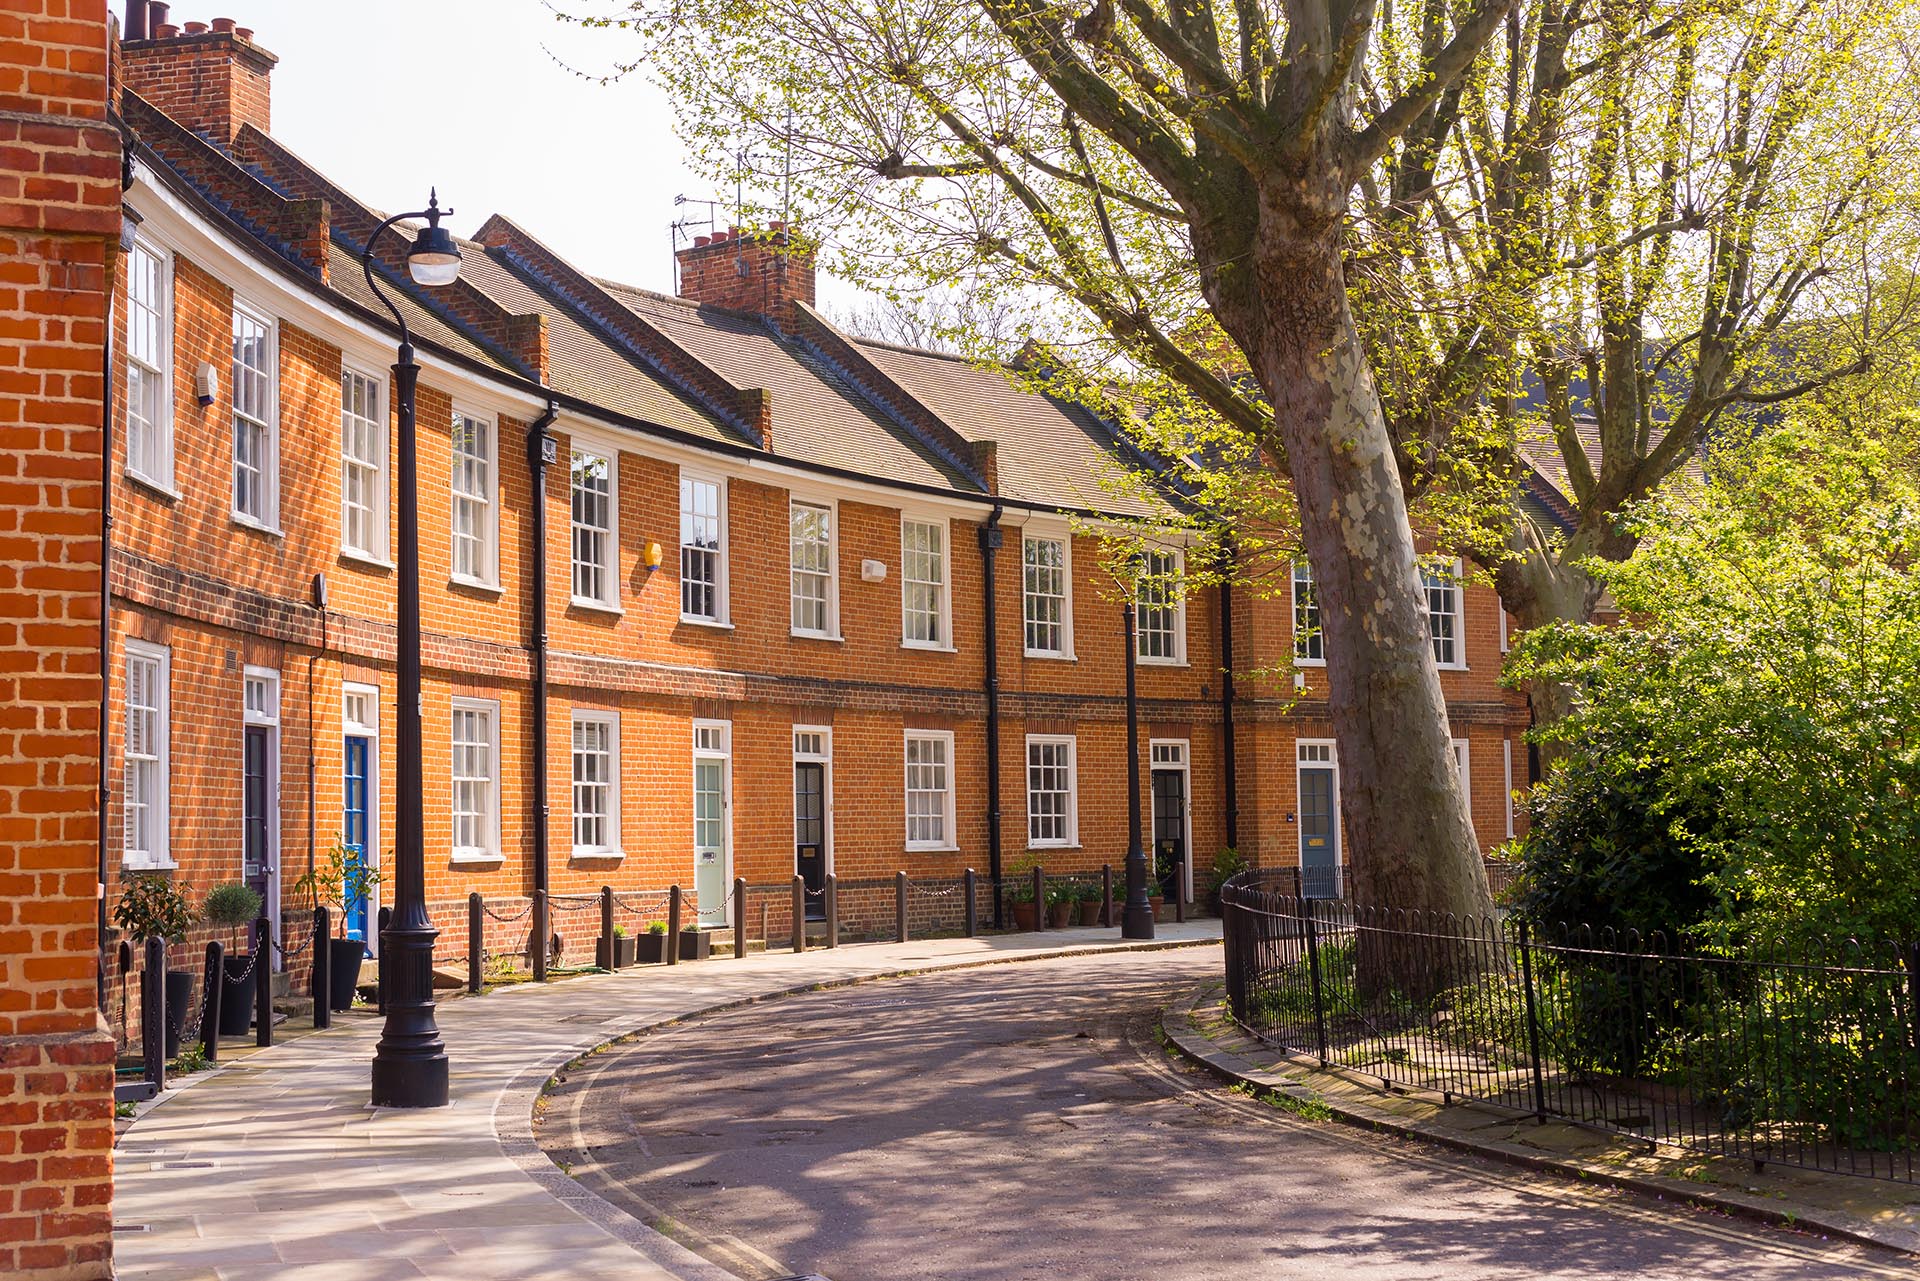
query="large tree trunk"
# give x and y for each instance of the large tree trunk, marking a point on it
(1408, 835)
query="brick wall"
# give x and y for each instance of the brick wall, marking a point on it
(59, 228)
(214, 81)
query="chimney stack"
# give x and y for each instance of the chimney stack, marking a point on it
(759, 271)
(210, 78)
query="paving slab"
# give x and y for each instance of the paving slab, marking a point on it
(285, 1141)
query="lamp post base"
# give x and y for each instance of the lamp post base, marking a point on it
(1137, 921)
(410, 1063)
(410, 1083)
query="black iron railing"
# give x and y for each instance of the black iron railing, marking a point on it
(1805, 1056)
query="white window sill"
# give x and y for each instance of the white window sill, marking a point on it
(365, 558)
(1309, 662)
(1042, 847)
(832, 637)
(258, 527)
(475, 585)
(597, 606)
(1451, 667)
(694, 620)
(477, 858)
(1053, 656)
(600, 855)
(917, 848)
(1162, 662)
(928, 647)
(148, 865)
(158, 488)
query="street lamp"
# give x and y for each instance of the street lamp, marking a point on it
(410, 1064)
(1136, 921)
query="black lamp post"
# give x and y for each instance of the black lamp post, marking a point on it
(410, 1064)
(1136, 922)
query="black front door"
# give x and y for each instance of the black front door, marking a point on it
(810, 833)
(1170, 830)
(255, 821)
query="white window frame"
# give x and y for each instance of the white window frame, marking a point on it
(1071, 840)
(488, 535)
(608, 597)
(368, 728)
(1463, 769)
(378, 545)
(1506, 639)
(824, 759)
(1456, 585)
(944, 605)
(490, 853)
(268, 518)
(720, 616)
(159, 807)
(1064, 539)
(832, 510)
(1317, 635)
(1506, 773)
(609, 720)
(155, 465)
(1179, 603)
(949, 839)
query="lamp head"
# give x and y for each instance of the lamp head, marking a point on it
(434, 259)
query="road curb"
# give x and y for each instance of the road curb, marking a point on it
(1178, 1020)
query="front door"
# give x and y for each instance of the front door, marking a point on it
(1319, 828)
(257, 819)
(712, 860)
(1170, 830)
(810, 833)
(353, 827)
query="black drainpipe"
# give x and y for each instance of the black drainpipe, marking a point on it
(1228, 739)
(990, 540)
(541, 451)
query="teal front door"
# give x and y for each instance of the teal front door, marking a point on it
(353, 827)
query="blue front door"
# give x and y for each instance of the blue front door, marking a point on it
(354, 828)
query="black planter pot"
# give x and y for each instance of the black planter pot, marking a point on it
(236, 995)
(695, 945)
(345, 978)
(623, 952)
(650, 949)
(179, 997)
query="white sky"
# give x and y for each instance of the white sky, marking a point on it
(391, 98)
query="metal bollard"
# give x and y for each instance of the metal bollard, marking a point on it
(1039, 899)
(740, 918)
(1106, 895)
(1179, 899)
(212, 993)
(833, 910)
(322, 967)
(606, 928)
(899, 907)
(799, 913)
(973, 908)
(476, 942)
(671, 947)
(540, 936)
(263, 982)
(153, 1012)
(381, 923)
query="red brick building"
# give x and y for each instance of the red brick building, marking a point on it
(770, 551)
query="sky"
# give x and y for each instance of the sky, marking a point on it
(484, 100)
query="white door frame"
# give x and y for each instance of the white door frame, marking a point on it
(723, 754)
(1339, 836)
(268, 717)
(369, 730)
(825, 761)
(1185, 767)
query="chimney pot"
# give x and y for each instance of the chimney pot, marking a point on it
(136, 20)
(223, 25)
(245, 33)
(156, 15)
(165, 31)
(196, 28)
(701, 242)
(777, 227)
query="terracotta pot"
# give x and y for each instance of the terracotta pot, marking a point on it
(1090, 911)
(1060, 915)
(1022, 916)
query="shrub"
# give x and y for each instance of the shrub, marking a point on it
(656, 927)
(151, 908)
(233, 903)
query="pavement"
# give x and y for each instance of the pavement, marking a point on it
(1027, 1122)
(275, 1168)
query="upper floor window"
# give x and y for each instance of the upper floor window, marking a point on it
(1443, 614)
(703, 529)
(363, 466)
(1052, 800)
(143, 841)
(923, 583)
(476, 779)
(1307, 647)
(596, 782)
(596, 570)
(150, 365)
(256, 419)
(929, 790)
(1046, 581)
(810, 542)
(474, 526)
(1161, 619)
(1463, 768)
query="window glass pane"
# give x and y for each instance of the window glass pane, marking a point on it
(1306, 614)
(923, 575)
(700, 534)
(1043, 563)
(1157, 618)
(1443, 614)
(145, 737)
(594, 571)
(473, 781)
(926, 787)
(148, 334)
(363, 457)
(594, 800)
(811, 556)
(253, 418)
(471, 519)
(1049, 792)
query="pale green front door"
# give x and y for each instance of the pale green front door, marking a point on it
(712, 860)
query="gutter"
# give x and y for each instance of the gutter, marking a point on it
(539, 446)
(991, 538)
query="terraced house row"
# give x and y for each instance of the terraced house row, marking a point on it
(711, 587)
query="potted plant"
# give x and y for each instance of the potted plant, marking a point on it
(151, 908)
(339, 881)
(1060, 906)
(696, 944)
(1087, 896)
(625, 950)
(1020, 896)
(235, 904)
(651, 947)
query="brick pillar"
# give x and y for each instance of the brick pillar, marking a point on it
(59, 232)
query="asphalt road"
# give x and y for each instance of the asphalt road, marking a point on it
(1021, 1122)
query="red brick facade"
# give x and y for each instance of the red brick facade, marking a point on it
(59, 231)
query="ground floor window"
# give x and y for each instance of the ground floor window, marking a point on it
(1051, 801)
(596, 782)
